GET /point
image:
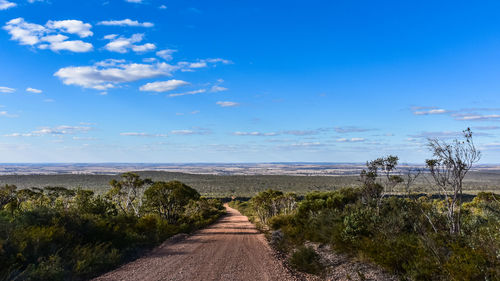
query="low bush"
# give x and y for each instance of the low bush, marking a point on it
(307, 260)
(53, 234)
(408, 236)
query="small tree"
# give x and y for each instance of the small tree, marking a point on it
(376, 186)
(127, 193)
(168, 199)
(270, 203)
(448, 168)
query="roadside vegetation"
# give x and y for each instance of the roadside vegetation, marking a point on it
(414, 236)
(56, 233)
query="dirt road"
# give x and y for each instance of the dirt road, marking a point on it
(231, 249)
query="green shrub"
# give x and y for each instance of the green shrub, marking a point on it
(50, 268)
(307, 260)
(91, 258)
(60, 234)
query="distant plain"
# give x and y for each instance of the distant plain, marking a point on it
(222, 180)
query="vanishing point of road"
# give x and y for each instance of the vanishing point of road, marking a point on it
(230, 249)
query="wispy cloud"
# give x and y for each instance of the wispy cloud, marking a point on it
(476, 117)
(434, 111)
(33, 90)
(192, 131)
(217, 88)
(126, 22)
(163, 86)
(289, 132)
(137, 134)
(7, 90)
(190, 66)
(58, 130)
(4, 5)
(7, 114)
(195, 92)
(350, 129)
(350, 140)
(227, 103)
(166, 54)
(301, 132)
(255, 134)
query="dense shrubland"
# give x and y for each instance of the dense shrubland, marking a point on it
(56, 233)
(414, 236)
(408, 236)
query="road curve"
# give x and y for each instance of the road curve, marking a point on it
(231, 249)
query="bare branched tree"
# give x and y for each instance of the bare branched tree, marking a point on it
(380, 178)
(448, 168)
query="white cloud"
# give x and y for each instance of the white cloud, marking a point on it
(7, 90)
(350, 129)
(255, 134)
(71, 26)
(162, 7)
(217, 88)
(166, 54)
(46, 37)
(190, 66)
(188, 93)
(4, 5)
(477, 117)
(59, 130)
(136, 134)
(101, 78)
(58, 43)
(351, 140)
(126, 22)
(33, 90)
(8, 115)
(200, 64)
(134, 1)
(306, 144)
(183, 132)
(144, 48)
(217, 60)
(110, 62)
(24, 32)
(431, 111)
(191, 131)
(149, 59)
(227, 103)
(123, 44)
(163, 86)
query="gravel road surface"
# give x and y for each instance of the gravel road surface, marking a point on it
(231, 249)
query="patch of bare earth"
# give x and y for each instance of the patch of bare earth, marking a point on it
(231, 249)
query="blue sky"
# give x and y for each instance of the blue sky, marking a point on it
(245, 81)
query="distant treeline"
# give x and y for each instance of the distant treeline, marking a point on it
(227, 186)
